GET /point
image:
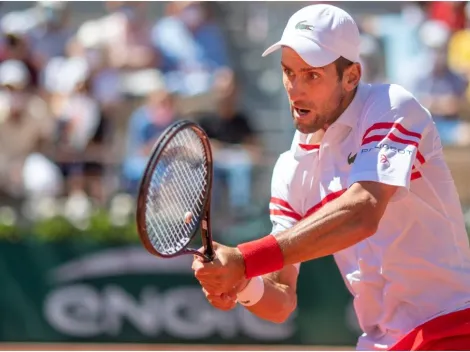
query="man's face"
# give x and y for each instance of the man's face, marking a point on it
(315, 93)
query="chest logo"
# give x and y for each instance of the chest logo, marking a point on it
(351, 158)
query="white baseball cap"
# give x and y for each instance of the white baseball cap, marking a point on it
(320, 34)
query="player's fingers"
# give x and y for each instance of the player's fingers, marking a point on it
(221, 302)
(206, 275)
(212, 269)
(211, 288)
(218, 281)
(197, 264)
(202, 249)
(217, 297)
(215, 291)
(215, 284)
(203, 268)
(198, 258)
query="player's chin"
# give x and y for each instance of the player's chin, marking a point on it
(304, 126)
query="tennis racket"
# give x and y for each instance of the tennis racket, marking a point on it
(175, 193)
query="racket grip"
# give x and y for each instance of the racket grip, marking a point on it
(207, 242)
(209, 253)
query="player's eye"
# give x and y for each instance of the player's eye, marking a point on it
(312, 75)
(288, 72)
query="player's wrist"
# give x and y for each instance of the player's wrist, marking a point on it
(240, 260)
(252, 292)
(261, 256)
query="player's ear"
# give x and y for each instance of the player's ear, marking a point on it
(352, 76)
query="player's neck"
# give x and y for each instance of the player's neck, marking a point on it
(343, 105)
(316, 137)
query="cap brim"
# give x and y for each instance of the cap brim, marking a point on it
(312, 53)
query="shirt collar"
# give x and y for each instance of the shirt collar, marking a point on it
(350, 118)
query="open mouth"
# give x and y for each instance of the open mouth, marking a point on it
(301, 112)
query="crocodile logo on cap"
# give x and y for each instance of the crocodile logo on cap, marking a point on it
(303, 26)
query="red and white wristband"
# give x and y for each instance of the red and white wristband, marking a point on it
(252, 293)
(262, 256)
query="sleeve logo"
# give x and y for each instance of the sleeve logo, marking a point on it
(384, 159)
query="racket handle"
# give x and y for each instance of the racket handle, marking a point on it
(209, 253)
(207, 241)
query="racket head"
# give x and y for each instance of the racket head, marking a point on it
(170, 151)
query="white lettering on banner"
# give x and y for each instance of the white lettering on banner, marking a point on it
(84, 311)
(118, 304)
(74, 310)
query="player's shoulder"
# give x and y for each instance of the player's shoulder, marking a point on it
(387, 100)
(284, 167)
(284, 162)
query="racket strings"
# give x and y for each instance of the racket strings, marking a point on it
(178, 186)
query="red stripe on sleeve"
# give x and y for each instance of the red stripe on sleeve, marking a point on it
(391, 136)
(376, 138)
(282, 203)
(391, 125)
(289, 214)
(420, 157)
(415, 175)
(394, 138)
(324, 201)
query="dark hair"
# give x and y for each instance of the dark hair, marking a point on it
(341, 65)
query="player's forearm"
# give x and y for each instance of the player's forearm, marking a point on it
(338, 225)
(277, 303)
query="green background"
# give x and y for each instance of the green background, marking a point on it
(86, 292)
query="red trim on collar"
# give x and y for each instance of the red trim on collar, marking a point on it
(309, 147)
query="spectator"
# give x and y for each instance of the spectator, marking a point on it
(449, 12)
(234, 143)
(403, 50)
(442, 92)
(126, 35)
(105, 79)
(25, 133)
(77, 121)
(14, 44)
(191, 45)
(371, 59)
(49, 39)
(145, 126)
(459, 50)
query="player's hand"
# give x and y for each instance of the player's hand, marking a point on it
(224, 274)
(224, 301)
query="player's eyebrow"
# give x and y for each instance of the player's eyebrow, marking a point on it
(303, 69)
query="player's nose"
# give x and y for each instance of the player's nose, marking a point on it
(296, 92)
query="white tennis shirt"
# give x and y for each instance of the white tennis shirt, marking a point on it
(417, 265)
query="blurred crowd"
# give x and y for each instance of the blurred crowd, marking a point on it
(427, 50)
(81, 107)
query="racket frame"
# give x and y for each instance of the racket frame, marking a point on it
(203, 222)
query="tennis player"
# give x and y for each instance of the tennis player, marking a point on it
(365, 180)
